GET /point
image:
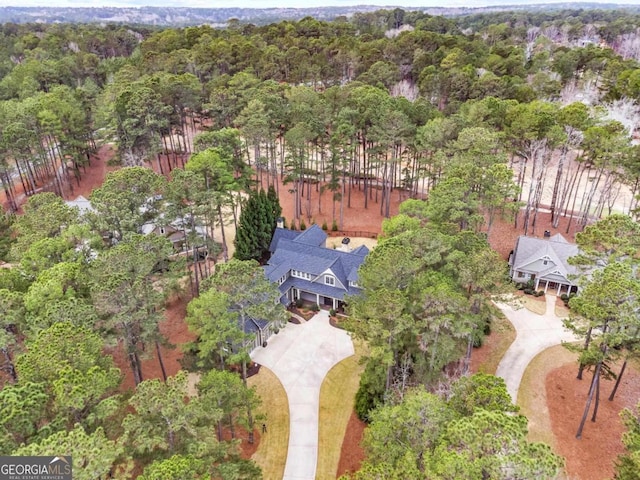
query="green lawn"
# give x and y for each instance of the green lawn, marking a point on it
(271, 455)
(537, 305)
(532, 398)
(337, 397)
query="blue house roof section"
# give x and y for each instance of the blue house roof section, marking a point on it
(319, 288)
(305, 252)
(279, 234)
(252, 325)
(361, 250)
(313, 235)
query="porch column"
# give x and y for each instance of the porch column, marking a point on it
(546, 285)
(335, 306)
(537, 283)
(559, 289)
(318, 299)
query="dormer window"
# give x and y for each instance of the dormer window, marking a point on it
(329, 280)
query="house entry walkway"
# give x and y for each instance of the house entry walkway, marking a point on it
(535, 333)
(301, 356)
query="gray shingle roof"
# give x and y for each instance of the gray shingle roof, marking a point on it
(312, 236)
(361, 250)
(279, 234)
(252, 325)
(529, 250)
(305, 254)
(319, 288)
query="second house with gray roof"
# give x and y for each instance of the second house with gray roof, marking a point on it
(544, 261)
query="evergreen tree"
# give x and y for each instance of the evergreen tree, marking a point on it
(274, 203)
(257, 224)
(628, 464)
(247, 236)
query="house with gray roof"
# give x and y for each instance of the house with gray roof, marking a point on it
(304, 268)
(544, 260)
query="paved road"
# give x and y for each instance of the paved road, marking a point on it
(301, 356)
(535, 333)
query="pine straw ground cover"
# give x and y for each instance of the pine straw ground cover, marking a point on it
(486, 358)
(553, 400)
(532, 399)
(337, 398)
(271, 454)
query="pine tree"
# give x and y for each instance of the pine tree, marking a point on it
(274, 201)
(266, 222)
(247, 242)
(257, 224)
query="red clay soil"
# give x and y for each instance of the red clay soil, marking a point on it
(352, 453)
(356, 218)
(503, 235)
(589, 458)
(94, 174)
(481, 354)
(175, 330)
(593, 456)
(246, 449)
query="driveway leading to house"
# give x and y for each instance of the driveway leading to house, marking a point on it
(301, 356)
(534, 333)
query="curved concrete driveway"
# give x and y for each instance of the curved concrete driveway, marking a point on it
(301, 356)
(535, 333)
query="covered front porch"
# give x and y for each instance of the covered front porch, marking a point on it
(321, 300)
(553, 285)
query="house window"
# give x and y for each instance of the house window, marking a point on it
(299, 274)
(354, 284)
(544, 262)
(329, 280)
(520, 274)
(161, 230)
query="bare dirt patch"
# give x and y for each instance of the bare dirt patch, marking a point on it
(593, 456)
(93, 175)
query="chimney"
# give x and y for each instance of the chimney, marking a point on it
(280, 222)
(345, 244)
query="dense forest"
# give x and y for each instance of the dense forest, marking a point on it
(483, 116)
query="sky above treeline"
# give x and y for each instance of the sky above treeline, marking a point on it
(286, 3)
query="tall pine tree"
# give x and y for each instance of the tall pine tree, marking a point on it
(257, 224)
(274, 203)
